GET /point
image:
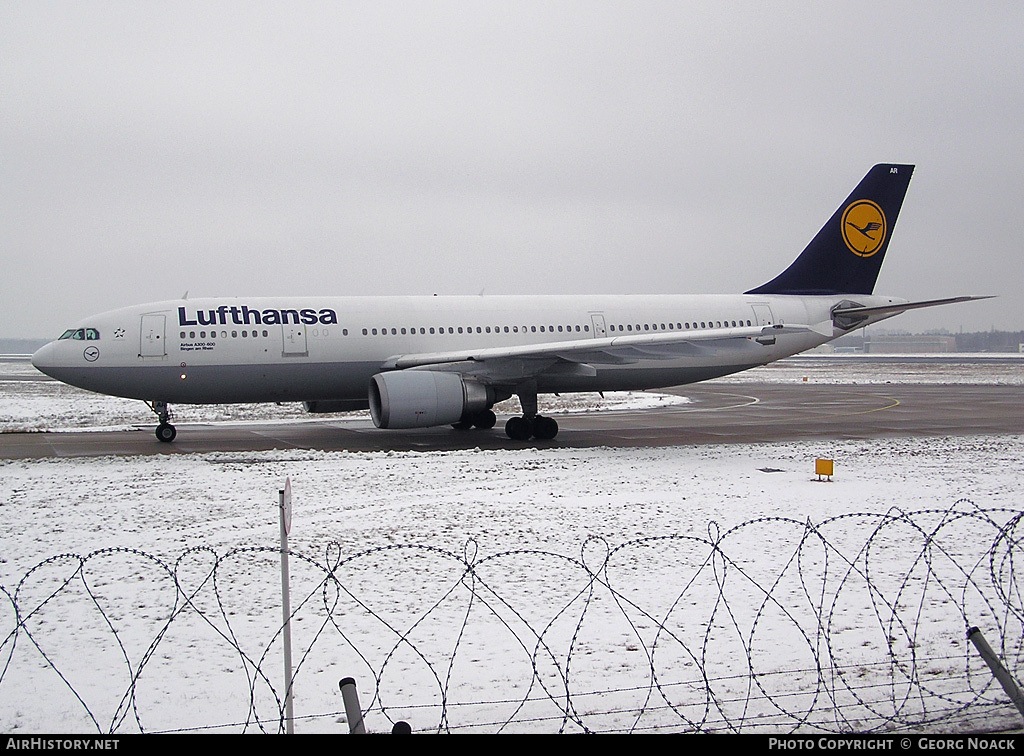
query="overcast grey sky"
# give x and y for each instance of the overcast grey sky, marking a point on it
(260, 148)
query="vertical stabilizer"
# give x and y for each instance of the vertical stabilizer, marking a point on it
(846, 254)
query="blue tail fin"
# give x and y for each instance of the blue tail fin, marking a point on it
(846, 254)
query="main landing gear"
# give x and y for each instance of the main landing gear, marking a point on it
(483, 420)
(165, 432)
(530, 425)
(524, 428)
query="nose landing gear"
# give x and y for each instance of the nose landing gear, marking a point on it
(165, 432)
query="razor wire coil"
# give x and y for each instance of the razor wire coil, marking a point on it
(856, 623)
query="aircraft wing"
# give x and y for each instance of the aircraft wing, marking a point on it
(518, 362)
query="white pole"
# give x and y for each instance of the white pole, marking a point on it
(998, 670)
(286, 507)
(353, 713)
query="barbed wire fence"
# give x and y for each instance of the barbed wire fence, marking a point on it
(854, 624)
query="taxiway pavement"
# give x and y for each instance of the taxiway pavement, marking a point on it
(746, 413)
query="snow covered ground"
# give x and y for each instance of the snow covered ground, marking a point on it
(695, 587)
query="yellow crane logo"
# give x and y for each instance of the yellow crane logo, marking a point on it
(863, 228)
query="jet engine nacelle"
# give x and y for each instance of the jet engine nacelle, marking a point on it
(422, 398)
(335, 405)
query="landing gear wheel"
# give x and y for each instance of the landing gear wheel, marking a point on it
(544, 428)
(166, 432)
(484, 420)
(519, 429)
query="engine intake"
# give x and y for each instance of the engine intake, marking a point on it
(423, 398)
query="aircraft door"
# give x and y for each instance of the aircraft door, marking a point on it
(294, 340)
(600, 329)
(153, 336)
(763, 315)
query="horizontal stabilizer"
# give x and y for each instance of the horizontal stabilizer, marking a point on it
(849, 317)
(895, 309)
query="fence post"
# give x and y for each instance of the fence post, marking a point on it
(285, 500)
(1000, 672)
(353, 713)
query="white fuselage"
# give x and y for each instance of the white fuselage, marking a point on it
(322, 348)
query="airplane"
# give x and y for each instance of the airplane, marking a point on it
(422, 361)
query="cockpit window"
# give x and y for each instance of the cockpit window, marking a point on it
(81, 334)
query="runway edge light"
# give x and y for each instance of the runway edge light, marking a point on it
(824, 468)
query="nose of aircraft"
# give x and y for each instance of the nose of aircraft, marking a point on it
(43, 360)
